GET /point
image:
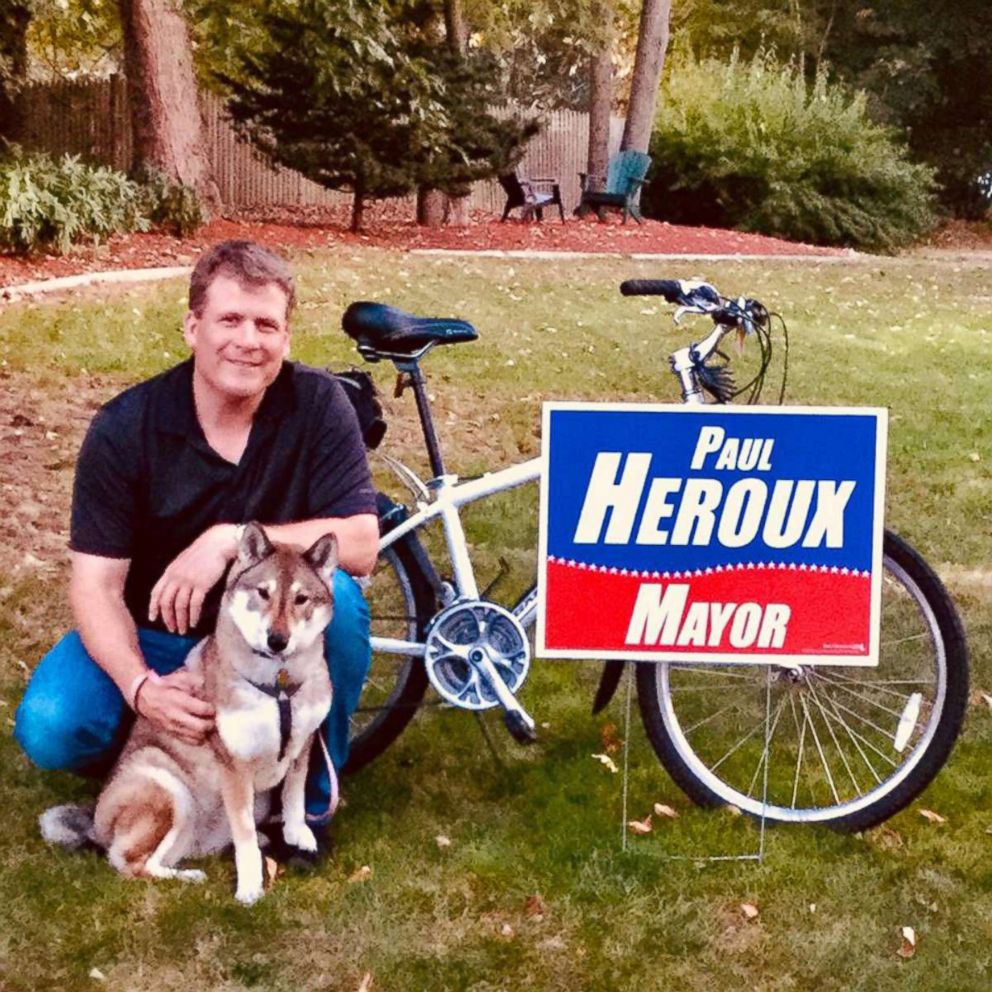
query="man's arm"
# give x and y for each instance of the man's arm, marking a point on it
(179, 593)
(96, 592)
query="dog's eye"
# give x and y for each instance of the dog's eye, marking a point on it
(263, 592)
(301, 599)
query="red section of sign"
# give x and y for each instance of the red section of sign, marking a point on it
(826, 612)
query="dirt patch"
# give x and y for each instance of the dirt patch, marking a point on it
(299, 229)
(41, 427)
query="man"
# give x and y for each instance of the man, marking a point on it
(168, 472)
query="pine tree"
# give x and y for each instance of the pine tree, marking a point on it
(347, 93)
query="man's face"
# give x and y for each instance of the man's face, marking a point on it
(240, 338)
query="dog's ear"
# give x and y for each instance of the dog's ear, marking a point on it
(323, 557)
(254, 545)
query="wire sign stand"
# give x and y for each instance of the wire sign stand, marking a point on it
(625, 844)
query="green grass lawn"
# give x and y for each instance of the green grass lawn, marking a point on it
(534, 890)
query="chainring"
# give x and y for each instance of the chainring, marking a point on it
(455, 643)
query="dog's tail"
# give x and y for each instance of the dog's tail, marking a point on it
(69, 826)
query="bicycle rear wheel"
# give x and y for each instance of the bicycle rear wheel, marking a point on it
(401, 602)
(846, 746)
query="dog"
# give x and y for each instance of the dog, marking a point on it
(264, 672)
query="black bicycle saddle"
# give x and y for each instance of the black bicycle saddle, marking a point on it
(385, 330)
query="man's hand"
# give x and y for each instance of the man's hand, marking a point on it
(178, 595)
(173, 704)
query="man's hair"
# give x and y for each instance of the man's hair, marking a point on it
(249, 263)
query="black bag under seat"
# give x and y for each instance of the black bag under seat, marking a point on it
(360, 389)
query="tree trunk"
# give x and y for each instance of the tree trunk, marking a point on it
(600, 102)
(431, 207)
(357, 208)
(652, 42)
(455, 28)
(169, 133)
(456, 32)
(14, 20)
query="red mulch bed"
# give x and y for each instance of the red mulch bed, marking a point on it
(312, 229)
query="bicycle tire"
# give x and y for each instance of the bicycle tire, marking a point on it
(920, 629)
(401, 602)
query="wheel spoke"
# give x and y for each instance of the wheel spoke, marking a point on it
(881, 731)
(799, 758)
(705, 688)
(819, 748)
(708, 719)
(863, 696)
(765, 752)
(829, 726)
(736, 747)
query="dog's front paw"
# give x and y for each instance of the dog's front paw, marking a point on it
(248, 895)
(299, 835)
(191, 875)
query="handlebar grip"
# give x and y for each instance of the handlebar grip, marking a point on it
(671, 289)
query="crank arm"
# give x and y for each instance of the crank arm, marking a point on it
(518, 721)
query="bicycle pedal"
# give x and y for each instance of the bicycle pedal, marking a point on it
(521, 731)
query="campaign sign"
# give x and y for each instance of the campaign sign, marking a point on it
(736, 534)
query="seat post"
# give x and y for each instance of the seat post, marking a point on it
(419, 384)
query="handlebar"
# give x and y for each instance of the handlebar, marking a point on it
(696, 296)
(693, 364)
(671, 289)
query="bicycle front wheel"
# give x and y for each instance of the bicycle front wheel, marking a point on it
(401, 602)
(841, 745)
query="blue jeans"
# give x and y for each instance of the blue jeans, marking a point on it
(74, 718)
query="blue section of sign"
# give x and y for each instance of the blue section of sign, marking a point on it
(824, 450)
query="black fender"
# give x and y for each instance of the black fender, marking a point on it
(608, 682)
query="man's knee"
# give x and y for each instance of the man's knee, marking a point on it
(51, 736)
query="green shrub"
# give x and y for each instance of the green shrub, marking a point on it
(753, 146)
(49, 204)
(170, 206)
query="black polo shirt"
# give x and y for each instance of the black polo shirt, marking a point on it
(148, 483)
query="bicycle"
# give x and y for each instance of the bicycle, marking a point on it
(848, 747)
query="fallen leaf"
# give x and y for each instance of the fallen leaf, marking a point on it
(662, 810)
(987, 699)
(640, 826)
(929, 814)
(360, 874)
(366, 983)
(908, 947)
(733, 810)
(506, 930)
(605, 759)
(610, 738)
(272, 870)
(812, 907)
(534, 906)
(442, 841)
(98, 975)
(749, 910)
(888, 838)
(975, 456)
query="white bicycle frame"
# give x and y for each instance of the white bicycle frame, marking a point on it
(449, 494)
